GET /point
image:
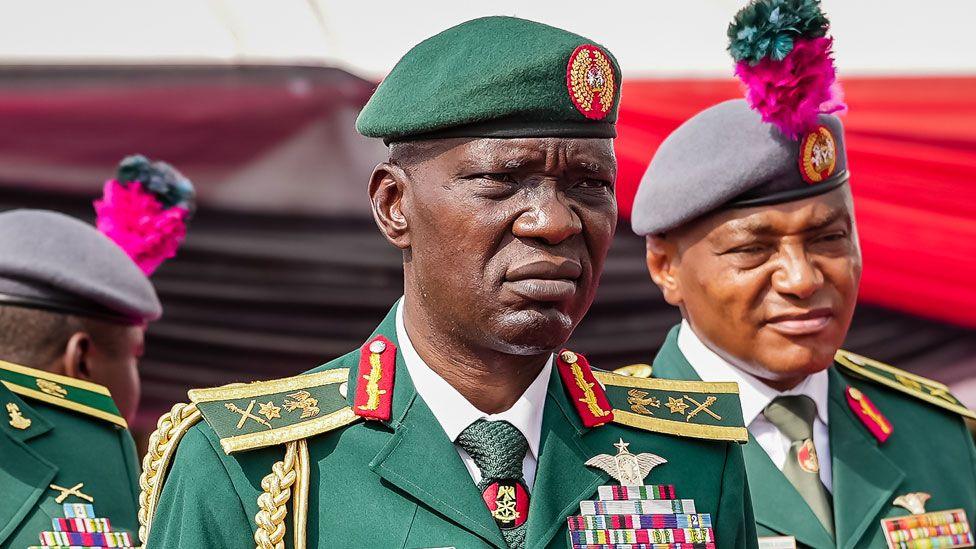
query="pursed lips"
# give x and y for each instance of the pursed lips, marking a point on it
(800, 322)
(544, 280)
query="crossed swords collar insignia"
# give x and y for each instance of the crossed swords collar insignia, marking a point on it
(80, 526)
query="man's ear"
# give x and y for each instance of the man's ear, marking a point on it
(77, 351)
(387, 188)
(663, 264)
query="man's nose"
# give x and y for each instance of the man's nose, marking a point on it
(796, 274)
(549, 220)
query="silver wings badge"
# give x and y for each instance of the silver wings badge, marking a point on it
(628, 469)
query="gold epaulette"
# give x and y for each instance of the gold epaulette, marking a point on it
(917, 386)
(696, 409)
(635, 370)
(66, 392)
(162, 446)
(265, 413)
(255, 415)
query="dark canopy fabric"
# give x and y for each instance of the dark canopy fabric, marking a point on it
(258, 296)
(281, 139)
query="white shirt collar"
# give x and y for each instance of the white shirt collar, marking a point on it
(754, 395)
(454, 412)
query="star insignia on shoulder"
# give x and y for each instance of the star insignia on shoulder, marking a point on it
(677, 405)
(269, 410)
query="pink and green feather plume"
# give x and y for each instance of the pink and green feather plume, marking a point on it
(145, 210)
(783, 56)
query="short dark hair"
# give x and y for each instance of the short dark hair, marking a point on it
(35, 338)
(32, 337)
(407, 153)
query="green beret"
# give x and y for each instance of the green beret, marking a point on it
(497, 77)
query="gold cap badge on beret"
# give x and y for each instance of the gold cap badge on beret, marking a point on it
(818, 155)
(589, 78)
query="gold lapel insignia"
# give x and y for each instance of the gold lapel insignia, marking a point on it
(702, 407)
(246, 414)
(626, 468)
(17, 419)
(73, 491)
(943, 529)
(676, 405)
(269, 410)
(51, 388)
(639, 401)
(302, 400)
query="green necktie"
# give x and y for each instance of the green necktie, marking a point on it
(498, 449)
(793, 416)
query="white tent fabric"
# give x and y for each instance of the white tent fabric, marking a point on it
(652, 38)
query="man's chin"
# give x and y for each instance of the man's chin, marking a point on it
(794, 362)
(534, 330)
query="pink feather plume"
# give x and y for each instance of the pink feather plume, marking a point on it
(137, 222)
(790, 93)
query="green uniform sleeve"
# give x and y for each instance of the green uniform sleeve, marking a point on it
(131, 458)
(735, 525)
(968, 437)
(199, 506)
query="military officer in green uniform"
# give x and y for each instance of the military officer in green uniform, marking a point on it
(459, 422)
(750, 231)
(73, 310)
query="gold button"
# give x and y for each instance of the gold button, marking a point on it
(377, 347)
(569, 357)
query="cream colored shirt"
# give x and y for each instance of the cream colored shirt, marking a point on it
(455, 413)
(755, 395)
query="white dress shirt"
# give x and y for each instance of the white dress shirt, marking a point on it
(455, 413)
(754, 395)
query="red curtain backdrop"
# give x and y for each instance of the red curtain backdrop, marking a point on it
(911, 144)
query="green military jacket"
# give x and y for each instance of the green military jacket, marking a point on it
(400, 482)
(928, 450)
(61, 432)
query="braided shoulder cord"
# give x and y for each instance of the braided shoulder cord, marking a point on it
(273, 502)
(162, 446)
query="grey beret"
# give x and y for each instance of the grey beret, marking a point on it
(52, 261)
(727, 157)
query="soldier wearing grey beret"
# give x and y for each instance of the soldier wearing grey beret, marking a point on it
(69, 291)
(74, 304)
(750, 231)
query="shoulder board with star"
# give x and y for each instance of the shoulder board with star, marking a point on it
(266, 413)
(696, 409)
(925, 389)
(693, 409)
(77, 395)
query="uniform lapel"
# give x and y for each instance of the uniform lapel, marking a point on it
(864, 479)
(775, 503)
(562, 479)
(24, 474)
(419, 458)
